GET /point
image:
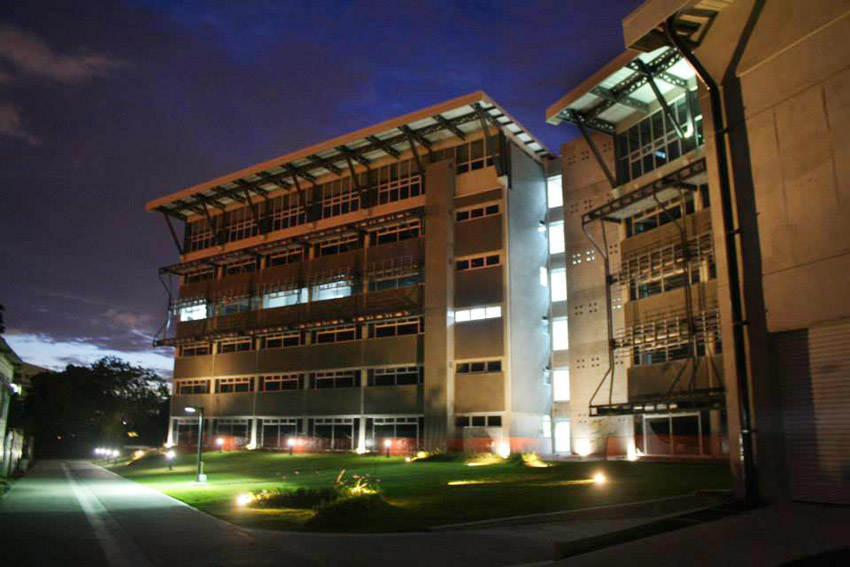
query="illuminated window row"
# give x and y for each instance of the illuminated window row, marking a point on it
(345, 333)
(477, 212)
(479, 366)
(291, 381)
(478, 313)
(390, 183)
(478, 421)
(479, 261)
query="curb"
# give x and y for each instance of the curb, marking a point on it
(658, 507)
(667, 523)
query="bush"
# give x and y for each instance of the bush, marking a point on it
(440, 458)
(306, 498)
(347, 511)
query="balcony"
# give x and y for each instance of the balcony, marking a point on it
(366, 304)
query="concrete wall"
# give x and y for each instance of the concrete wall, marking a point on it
(787, 118)
(354, 354)
(585, 188)
(439, 303)
(529, 397)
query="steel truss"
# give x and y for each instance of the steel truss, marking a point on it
(614, 212)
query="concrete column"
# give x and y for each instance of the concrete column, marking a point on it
(253, 441)
(169, 441)
(361, 432)
(439, 347)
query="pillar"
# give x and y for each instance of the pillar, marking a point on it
(439, 342)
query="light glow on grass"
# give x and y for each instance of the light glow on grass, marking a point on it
(533, 461)
(244, 499)
(485, 460)
(471, 482)
(422, 495)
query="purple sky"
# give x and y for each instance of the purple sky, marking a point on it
(106, 105)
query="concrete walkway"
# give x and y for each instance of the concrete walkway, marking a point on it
(773, 535)
(76, 513)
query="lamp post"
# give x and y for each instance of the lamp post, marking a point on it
(220, 443)
(291, 444)
(387, 444)
(200, 411)
(169, 456)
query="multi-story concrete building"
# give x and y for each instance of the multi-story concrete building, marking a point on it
(389, 284)
(714, 158)
(645, 362)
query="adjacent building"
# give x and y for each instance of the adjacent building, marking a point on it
(11, 439)
(387, 287)
(705, 216)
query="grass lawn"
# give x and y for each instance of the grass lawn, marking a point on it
(418, 492)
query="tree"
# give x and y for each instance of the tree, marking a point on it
(109, 403)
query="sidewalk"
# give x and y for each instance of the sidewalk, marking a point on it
(773, 535)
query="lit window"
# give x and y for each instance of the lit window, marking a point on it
(193, 312)
(560, 334)
(284, 298)
(478, 313)
(333, 290)
(544, 276)
(556, 237)
(559, 284)
(554, 195)
(561, 384)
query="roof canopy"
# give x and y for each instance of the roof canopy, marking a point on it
(622, 88)
(454, 118)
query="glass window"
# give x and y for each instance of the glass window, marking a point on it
(561, 385)
(333, 290)
(554, 194)
(284, 298)
(559, 284)
(193, 312)
(560, 334)
(556, 237)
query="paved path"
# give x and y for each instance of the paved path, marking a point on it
(773, 535)
(76, 513)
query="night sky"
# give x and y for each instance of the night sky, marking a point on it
(107, 105)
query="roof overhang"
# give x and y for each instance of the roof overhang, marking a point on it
(622, 89)
(643, 29)
(390, 139)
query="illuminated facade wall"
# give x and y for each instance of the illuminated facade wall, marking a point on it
(398, 320)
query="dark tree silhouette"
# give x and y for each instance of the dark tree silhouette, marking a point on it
(109, 403)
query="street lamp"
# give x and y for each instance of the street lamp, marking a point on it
(291, 444)
(200, 411)
(220, 443)
(387, 444)
(169, 456)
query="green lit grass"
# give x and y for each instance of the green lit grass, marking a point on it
(418, 492)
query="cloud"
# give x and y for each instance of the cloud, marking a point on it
(11, 126)
(32, 56)
(48, 352)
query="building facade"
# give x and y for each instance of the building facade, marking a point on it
(714, 159)
(386, 287)
(645, 358)
(11, 439)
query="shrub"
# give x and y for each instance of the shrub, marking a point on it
(439, 458)
(305, 498)
(347, 511)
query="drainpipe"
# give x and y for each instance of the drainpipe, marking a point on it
(734, 277)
